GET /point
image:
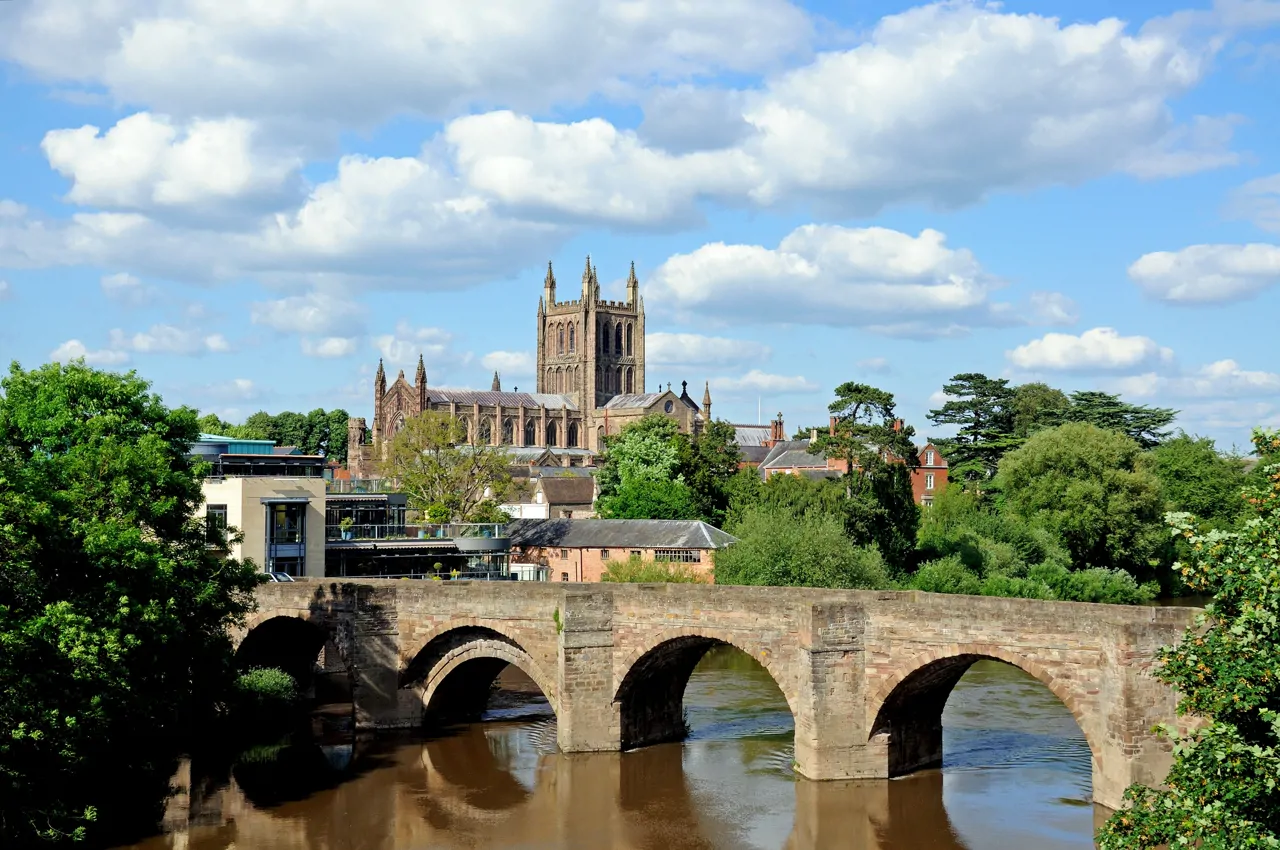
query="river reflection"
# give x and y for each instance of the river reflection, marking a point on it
(1016, 774)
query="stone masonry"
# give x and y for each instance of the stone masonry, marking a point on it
(866, 674)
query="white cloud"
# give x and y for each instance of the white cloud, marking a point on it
(404, 346)
(236, 389)
(760, 382)
(313, 313)
(1259, 201)
(74, 349)
(874, 365)
(330, 346)
(169, 339)
(362, 63)
(509, 362)
(668, 349)
(126, 289)
(1099, 349)
(1203, 274)
(887, 281)
(1221, 379)
(1053, 308)
(145, 161)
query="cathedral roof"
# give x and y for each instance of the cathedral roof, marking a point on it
(633, 401)
(489, 398)
(750, 435)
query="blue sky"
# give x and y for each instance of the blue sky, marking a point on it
(251, 203)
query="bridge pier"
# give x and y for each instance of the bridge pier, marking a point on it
(865, 674)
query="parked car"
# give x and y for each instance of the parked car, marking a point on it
(279, 577)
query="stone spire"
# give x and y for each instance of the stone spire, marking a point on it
(549, 286)
(706, 400)
(379, 382)
(588, 276)
(497, 383)
(420, 377)
(633, 286)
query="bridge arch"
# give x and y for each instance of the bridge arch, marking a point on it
(305, 648)
(653, 677)
(454, 671)
(907, 706)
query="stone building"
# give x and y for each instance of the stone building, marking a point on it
(590, 382)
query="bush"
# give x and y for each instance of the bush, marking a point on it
(776, 547)
(265, 695)
(1094, 585)
(945, 575)
(636, 570)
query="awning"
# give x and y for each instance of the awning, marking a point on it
(286, 500)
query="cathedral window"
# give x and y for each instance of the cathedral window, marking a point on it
(572, 436)
(629, 380)
(628, 339)
(608, 330)
(551, 433)
(530, 433)
(560, 340)
(571, 339)
(464, 426)
(486, 431)
(617, 339)
(617, 386)
(508, 431)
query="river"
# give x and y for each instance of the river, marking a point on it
(1016, 774)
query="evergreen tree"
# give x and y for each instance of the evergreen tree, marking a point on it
(984, 412)
(1148, 426)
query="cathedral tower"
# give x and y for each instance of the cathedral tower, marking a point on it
(591, 348)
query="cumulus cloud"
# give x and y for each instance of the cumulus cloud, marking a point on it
(1053, 308)
(1202, 274)
(406, 343)
(1099, 349)
(509, 362)
(1221, 379)
(330, 346)
(759, 382)
(145, 161)
(874, 365)
(169, 339)
(126, 289)
(360, 64)
(881, 279)
(74, 349)
(313, 313)
(678, 349)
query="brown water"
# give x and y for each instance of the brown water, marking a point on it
(1016, 775)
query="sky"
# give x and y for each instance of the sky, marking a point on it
(250, 203)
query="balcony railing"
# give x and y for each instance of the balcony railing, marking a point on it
(471, 532)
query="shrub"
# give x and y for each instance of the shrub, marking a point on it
(945, 575)
(635, 570)
(265, 692)
(776, 547)
(1094, 585)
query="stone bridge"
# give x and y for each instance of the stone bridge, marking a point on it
(866, 674)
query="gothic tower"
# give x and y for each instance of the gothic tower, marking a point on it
(591, 348)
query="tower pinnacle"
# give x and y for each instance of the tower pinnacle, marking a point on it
(497, 383)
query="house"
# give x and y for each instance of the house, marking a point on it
(581, 549)
(276, 501)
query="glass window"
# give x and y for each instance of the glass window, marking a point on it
(564, 576)
(286, 523)
(928, 458)
(604, 554)
(928, 481)
(215, 521)
(684, 556)
(564, 554)
(635, 553)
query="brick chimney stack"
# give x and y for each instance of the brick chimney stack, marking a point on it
(833, 426)
(777, 431)
(897, 425)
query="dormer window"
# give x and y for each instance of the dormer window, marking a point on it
(928, 458)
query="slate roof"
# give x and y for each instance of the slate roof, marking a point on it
(617, 534)
(751, 435)
(568, 490)
(793, 454)
(489, 398)
(753, 454)
(633, 401)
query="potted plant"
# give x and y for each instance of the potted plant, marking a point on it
(346, 525)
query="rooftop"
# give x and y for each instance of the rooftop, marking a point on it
(617, 534)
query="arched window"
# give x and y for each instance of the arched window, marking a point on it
(485, 435)
(560, 339)
(398, 426)
(508, 431)
(604, 337)
(551, 340)
(464, 425)
(629, 380)
(530, 433)
(617, 339)
(617, 385)
(572, 436)
(600, 338)
(628, 338)
(600, 438)
(572, 338)
(551, 433)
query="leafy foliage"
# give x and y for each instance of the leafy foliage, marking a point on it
(707, 462)
(433, 466)
(638, 570)
(1146, 426)
(1037, 405)
(864, 429)
(647, 499)
(1094, 489)
(1223, 791)
(778, 547)
(319, 432)
(983, 409)
(113, 609)
(1197, 480)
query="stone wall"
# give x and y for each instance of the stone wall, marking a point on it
(865, 674)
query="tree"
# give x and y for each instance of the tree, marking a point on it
(432, 465)
(864, 430)
(114, 611)
(1197, 480)
(1037, 405)
(1222, 790)
(983, 410)
(643, 498)
(1092, 488)
(1147, 426)
(776, 547)
(707, 463)
(643, 450)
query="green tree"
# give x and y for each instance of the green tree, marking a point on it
(776, 547)
(1196, 479)
(114, 611)
(863, 431)
(259, 426)
(707, 463)
(1223, 790)
(1147, 426)
(983, 411)
(1094, 489)
(1037, 405)
(432, 465)
(643, 450)
(643, 498)
(211, 424)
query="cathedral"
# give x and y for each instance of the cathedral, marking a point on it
(590, 382)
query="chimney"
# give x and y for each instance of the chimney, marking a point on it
(832, 426)
(777, 432)
(813, 435)
(897, 425)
